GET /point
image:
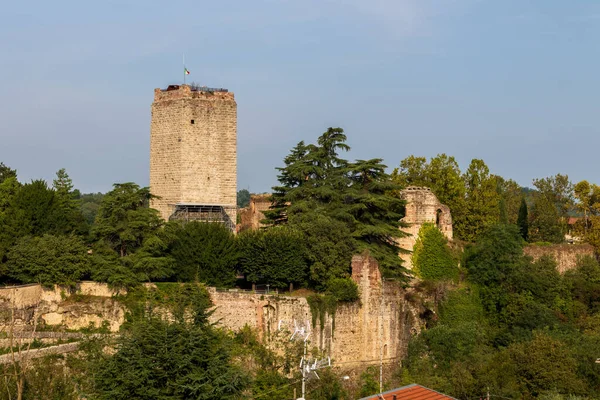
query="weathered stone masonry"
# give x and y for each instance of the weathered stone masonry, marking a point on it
(355, 340)
(193, 149)
(422, 206)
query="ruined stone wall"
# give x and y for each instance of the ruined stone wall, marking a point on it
(254, 213)
(56, 307)
(362, 329)
(193, 149)
(355, 340)
(422, 206)
(565, 255)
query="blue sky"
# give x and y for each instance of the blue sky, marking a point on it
(514, 82)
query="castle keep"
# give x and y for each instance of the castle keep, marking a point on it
(193, 154)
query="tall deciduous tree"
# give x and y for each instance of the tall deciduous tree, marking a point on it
(588, 203)
(124, 219)
(243, 198)
(482, 199)
(523, 220)
(442, 175)
(544, 225)
(6, 172)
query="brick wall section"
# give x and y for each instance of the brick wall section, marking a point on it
(193, 162)
(422, 206)
(565, 255)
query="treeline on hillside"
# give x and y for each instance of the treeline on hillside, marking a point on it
(479, 199)
(325, 209)
(46, 239)
(509, 326)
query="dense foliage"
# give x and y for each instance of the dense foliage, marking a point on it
(431, 258)
(360, 195)
(497, 321)
(515, 328)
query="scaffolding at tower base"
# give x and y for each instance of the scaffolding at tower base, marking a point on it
(219, 213)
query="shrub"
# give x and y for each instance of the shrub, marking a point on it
(343, 289)
(432, 259)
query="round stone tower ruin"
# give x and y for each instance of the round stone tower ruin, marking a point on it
(421, 207)
(193, 154)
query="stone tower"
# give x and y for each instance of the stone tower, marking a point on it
(422, 206)
(193, 154)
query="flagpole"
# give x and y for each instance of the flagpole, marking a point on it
(184, 68)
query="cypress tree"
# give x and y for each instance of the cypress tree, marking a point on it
(522, 222)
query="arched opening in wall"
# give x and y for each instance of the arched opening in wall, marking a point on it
(438, 219)
(385, 353)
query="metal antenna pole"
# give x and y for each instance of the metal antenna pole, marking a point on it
(304, 373)
(381, 342)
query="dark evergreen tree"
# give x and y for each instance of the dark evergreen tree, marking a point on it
(124, 219)
(317, 181)
(523, 220)
(205, 252)
(243, 198)
(276, 256)
(187, 358)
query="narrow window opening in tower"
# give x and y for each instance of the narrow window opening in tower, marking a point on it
(438, 219)
(192, 122)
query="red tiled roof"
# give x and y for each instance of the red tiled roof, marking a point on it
(410, 392)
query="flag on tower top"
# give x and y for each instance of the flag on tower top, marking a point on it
(186, 71)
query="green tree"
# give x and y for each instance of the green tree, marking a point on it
(329, 246)
(327, 387)
(48, 260)
(544, 364)
(443, 176)
(376, 214)
(316, 181)
(124, 219)
(35, 202)
(482, 200)
(243, 198)
(180, 359)
(343, 289)
(6, 172)
(523, 220)
(558, 190)
(544, 221)
(276, 256)
(13, 224)
(492, 261)
(412, 172)
(205, 252)
(511, 195)
(89, 205)
(67, 216)
(431, 257)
